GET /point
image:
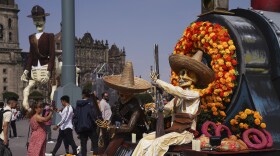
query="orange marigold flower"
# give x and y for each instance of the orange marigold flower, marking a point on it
(243, 116)
(263, 125)
(257, 115)
(257, 121)
(236, 117)
(248, 111)
(215, 113)
(246, 126)
(232, 122)
(241, 125)
(214, 109)
(223, 113)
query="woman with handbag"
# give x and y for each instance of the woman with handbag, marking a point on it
(37, 142)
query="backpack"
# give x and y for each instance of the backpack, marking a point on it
(2, 111)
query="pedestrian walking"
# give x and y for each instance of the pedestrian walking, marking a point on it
(84, 122)
(6, 115)
(13, 123)
(65, 127)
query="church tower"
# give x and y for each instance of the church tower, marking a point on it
(10, 53)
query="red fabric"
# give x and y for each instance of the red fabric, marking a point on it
(267, 5)
(37, 142)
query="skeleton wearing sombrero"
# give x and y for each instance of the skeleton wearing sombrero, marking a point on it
(184, 107)
(129, 112)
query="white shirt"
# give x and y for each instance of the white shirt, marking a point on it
(14, 114)
(105, 109)
(38, 35)
(66, 118)
(6, 118)
(188, 100)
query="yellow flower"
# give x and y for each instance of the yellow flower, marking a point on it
(231, 47)
(230, 42)
(257, 121)
(263, 125)
(243, 116)
(247, 111)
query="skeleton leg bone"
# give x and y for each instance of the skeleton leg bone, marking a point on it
(26, 93)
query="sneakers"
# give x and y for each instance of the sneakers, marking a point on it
(50, 142)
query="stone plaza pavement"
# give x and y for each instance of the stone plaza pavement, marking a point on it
(17, 145)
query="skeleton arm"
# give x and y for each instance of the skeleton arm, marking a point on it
(178, 91)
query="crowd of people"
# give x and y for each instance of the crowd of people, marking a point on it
(80, 119)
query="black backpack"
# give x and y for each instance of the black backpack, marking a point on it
(2, 111)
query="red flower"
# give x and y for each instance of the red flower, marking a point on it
(234, 62)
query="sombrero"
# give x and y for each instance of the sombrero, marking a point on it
(204, 74)
(38, 11)
(126, 82)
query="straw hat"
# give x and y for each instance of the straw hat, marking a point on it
(38, 11)
(126, 82)
(204, 74)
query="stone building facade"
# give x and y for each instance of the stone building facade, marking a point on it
(95, 58)
(10, 53)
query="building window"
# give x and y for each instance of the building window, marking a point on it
(4, 71)
(10, 23)
(5, 80)
(5, 88)
(1, 32)
(10, 36)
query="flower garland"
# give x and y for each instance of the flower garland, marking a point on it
(246, 119)
(215, 41)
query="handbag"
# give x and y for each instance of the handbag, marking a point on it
(4, 150)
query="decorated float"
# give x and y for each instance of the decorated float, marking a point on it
(240, 108)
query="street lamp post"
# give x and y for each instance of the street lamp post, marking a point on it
(68, 83)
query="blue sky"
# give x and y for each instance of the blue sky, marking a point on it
(135, 25)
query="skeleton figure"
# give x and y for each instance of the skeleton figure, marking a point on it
(186, 102)
(42, 65)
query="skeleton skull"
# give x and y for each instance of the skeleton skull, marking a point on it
(186, 78)
(39, 22)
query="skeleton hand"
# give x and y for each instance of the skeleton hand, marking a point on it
(24, 76)
(46, 79)
(154, 76)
